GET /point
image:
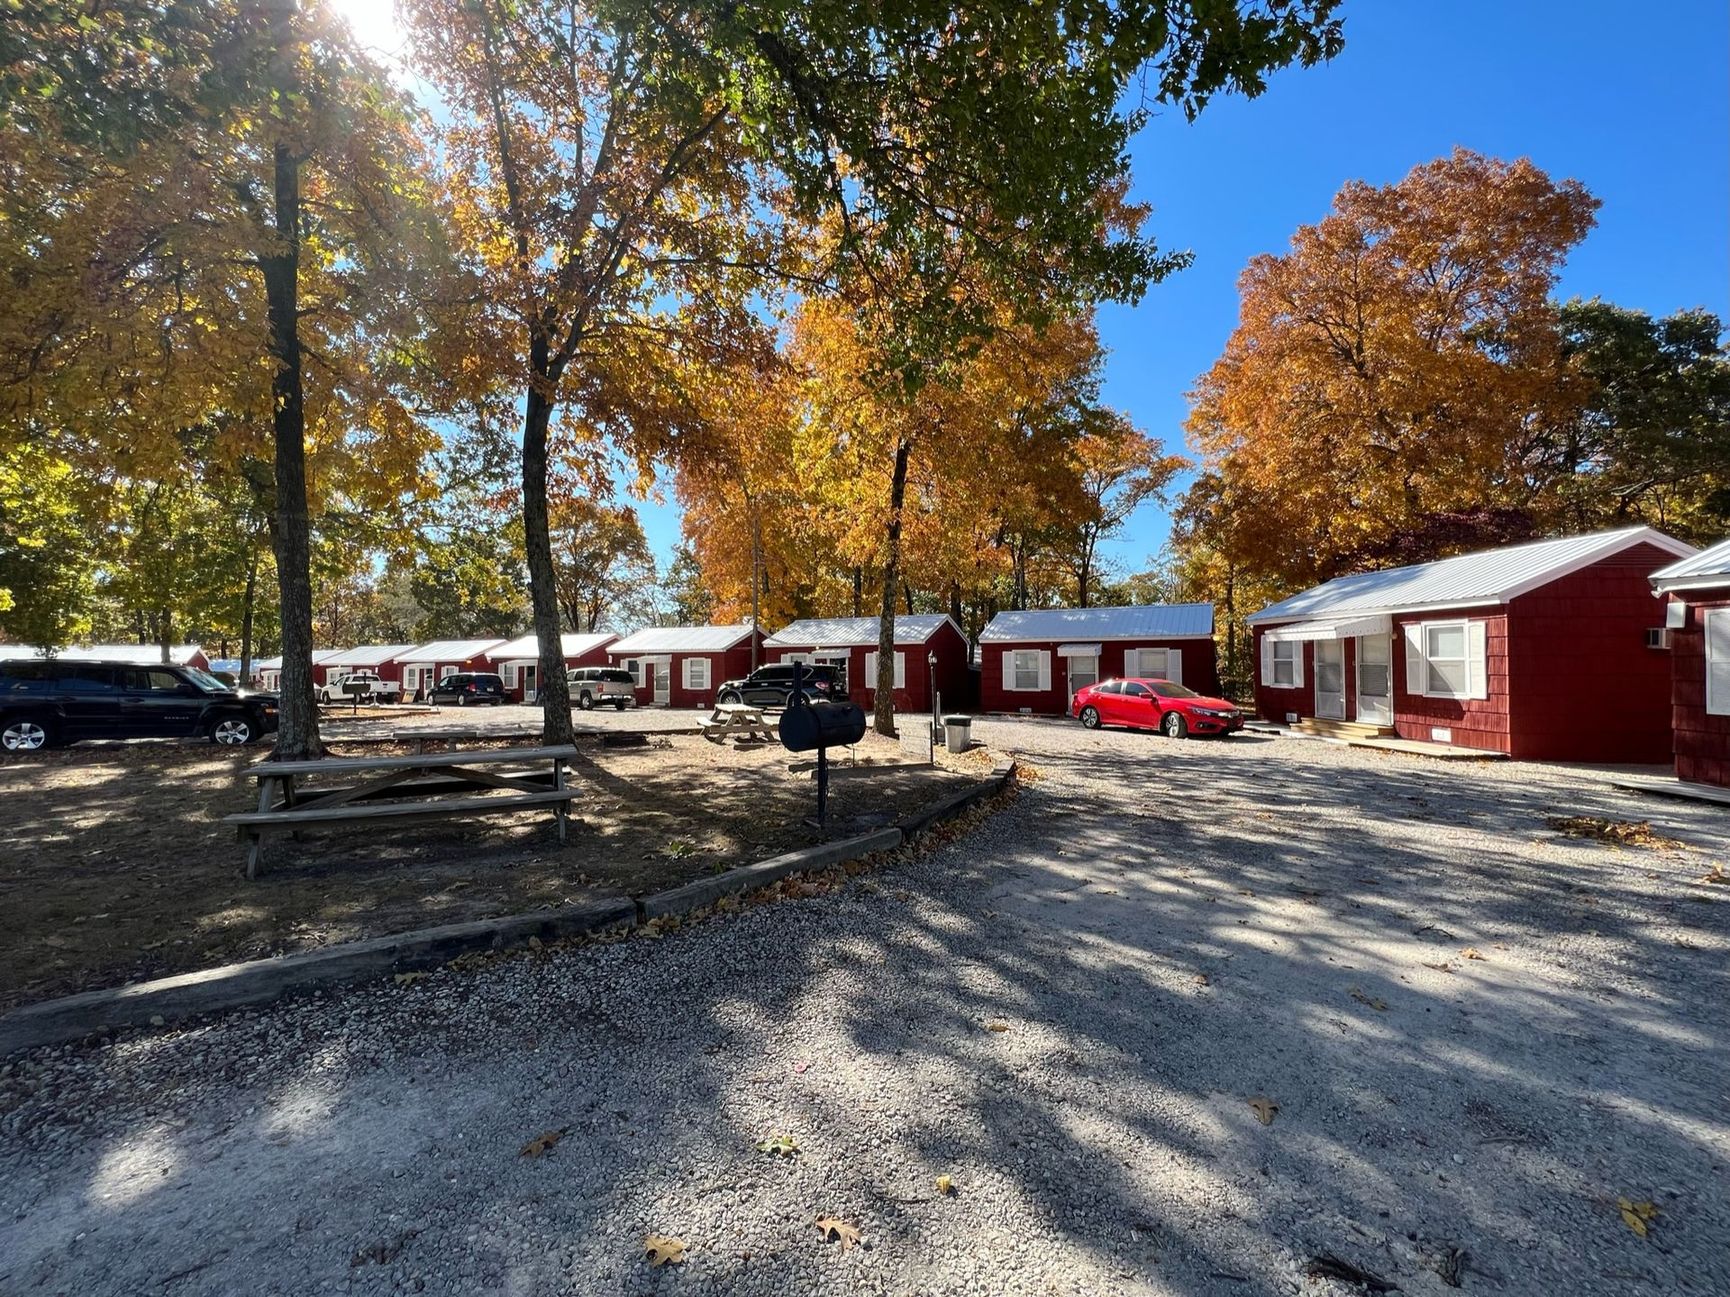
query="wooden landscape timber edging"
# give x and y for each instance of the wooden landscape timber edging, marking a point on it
(261, 981)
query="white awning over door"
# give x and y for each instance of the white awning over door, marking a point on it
(1344, 628)
(1078, 650)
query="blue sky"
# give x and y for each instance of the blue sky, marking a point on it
(1635, 103)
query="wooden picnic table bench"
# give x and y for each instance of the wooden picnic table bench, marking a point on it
(739, 719)
(422, 786)
(448, 738)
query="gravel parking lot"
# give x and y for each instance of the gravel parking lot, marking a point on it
(1197, 1018)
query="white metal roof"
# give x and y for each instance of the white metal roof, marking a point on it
(682, 639)
(1492, 576)
(141, 654)
(526, 648)
(1710, 567)
(854, 632)
(369, 655)
(1147, 621)
(440, 651)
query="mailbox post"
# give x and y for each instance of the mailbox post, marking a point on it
(808, 726)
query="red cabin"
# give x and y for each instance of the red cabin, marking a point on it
(930, 654)
(383, 660)
(1544, 651)
(681, 666)
(1696, 592)
(518, 661)
(426, 664)
(144, 655)
(1034, 661)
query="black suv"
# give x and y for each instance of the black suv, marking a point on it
(44, 702)
(469, 689)
(772, 686)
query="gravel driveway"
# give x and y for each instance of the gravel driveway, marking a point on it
(1164, 932)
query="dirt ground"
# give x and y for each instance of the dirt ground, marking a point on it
(120, 868)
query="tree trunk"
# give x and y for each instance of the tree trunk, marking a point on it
(555, 693)
(955, 606)
(858, 591)
(883, 709)
(290, 525)
(248, 601)
(165, 635)
(756, 575)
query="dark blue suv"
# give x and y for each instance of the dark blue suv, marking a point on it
(44, 702)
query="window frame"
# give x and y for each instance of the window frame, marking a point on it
(1464, 660)
(1291, 660)
(1015, 670)
(1716, 701)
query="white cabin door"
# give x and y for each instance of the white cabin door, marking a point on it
(1376, 679)
(1331, 679)
(1083, 671)
(663, 679)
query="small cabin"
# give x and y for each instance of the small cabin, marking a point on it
(426, 664)
(1033, 660)
(1696, 594)
(144, 655)
(683, 666)
(518, 661)
(269, 670)
(1545, 651)
(383, 660)
(931, 656)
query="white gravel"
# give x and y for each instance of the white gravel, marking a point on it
(1495, 1112)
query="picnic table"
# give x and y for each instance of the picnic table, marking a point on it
(387, 789)
(447, 738)
(738, 719)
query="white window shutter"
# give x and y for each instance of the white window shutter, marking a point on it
(1266, 660)
(1414, 658)
(871, 669)
(1174, 665)
(900, 670)
(1477, 660)
(508, 673)
(1044, 669)
(1008, 669)
(1716, 624)
(1297, 664)
(1131, 662)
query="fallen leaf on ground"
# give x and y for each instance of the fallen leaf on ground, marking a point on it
(408, 979)
(1470, 952)
(1636, 1215)
(779, 1145)
(997, 1024)
(836, 1230)
(1716, 876)
(1264, 1109)
(801, 1066)
(945, 1184)
(541, 1143)
(1621, 833)
(1202, 979)
(1441, 968)
(1329, 1266)
(662, 1250)
(1374, 1001)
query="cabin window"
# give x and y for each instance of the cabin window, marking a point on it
(1150, 664)
(696, 673)
(1717, 621)
(508, 674)
(1286, 656)
(1447, 659)
(1445, 651)
(871, 670)
(1027, 670)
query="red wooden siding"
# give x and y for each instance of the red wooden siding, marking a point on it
(1583, 684)
(733, 664)
(1474, 722)
(595, 657)
(1200, 671)
(1702, 741)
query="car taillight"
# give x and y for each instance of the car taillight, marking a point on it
(473, 687)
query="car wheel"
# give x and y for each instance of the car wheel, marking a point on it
(1174, 726)
(462, 700)
(585, 700)
(232, 731)
(26, 735)
(730, 696)
(1090, 718)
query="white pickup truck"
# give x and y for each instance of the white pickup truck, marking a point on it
(364, 685)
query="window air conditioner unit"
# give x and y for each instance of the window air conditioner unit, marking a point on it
(1657, 637)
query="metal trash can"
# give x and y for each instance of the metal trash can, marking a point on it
(957, 732)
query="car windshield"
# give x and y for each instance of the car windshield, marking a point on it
(204, 680)
(1165, 689)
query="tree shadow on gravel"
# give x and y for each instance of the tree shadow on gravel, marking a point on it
(1164, 933)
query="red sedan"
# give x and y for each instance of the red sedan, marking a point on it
(1154, 705)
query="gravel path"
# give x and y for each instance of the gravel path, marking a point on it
(1165, 932)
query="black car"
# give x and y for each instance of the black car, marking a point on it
(772, 686)
(44, 702)
(470, 689)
